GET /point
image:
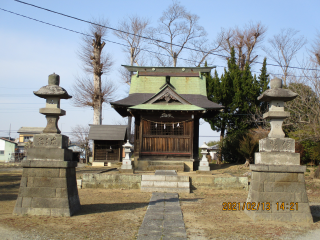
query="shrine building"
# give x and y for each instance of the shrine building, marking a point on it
(167, 103)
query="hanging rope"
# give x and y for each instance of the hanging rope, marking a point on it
(162, 122)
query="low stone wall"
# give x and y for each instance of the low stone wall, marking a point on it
(10, 164)
(133, 181)
(111, 181)
(219, 183)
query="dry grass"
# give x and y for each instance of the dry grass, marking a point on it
(118, 214)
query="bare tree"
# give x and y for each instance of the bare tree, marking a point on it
(284, 46)
(176, 29)
(245, 41)
(80, 134)
(315, 57)
(85, 93)
(205, 49)
(138, 27)
(95, 62)
(304, 120)
(132, 28)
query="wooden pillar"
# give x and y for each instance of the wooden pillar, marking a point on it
(137, 123)
(196, 138)
(140, 137)
(93, 152)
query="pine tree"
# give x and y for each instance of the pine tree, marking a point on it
(263, 84)
(237, 91)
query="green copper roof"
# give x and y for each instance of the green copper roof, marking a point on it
(146, 84)
(183, 85)
(172, 107)
(166, 69)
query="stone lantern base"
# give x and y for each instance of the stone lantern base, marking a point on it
(280, 192)
(48, 188)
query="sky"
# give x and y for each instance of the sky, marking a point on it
(30, 50)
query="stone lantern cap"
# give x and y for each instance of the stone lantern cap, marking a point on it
(204, 146)
(53, 89)
(127, 145)
(277, 93)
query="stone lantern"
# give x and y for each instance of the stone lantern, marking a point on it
(126, 166)
(204, 164)
(48, 184)
(277, 189)
(276, 149)
(52, 93)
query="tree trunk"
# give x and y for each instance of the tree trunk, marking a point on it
(130, 117)
(219, 160)
(175, 59)
(317, 173)
(247, 163)
(87, 154)
(97, 72)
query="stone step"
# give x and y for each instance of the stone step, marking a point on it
(169, 162)
(167, 182)
(164, 184)
(171, 190)
(167, 178)
(179, 168)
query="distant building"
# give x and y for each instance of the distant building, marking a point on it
(213, 152)
(107, 143)
(26, 135)
(79, 154)
(7, 149)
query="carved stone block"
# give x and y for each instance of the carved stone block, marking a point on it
(46, 191)
(277, 145)
(49, 154)
(277, 158)
(278, 196)
(50, 140)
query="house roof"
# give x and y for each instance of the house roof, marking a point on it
(167, 88)
(214, 147)
(139, 98)
(31, 130)
(161, 70)
(8, 140)
(107, 132)
(182, 84)
(172, 107)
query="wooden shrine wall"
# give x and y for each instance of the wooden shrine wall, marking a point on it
(102, 151)
(167, 138)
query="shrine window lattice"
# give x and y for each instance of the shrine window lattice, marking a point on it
(167, 128)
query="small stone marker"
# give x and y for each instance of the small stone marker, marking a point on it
(48, 184)
(277, 189)
(126, 166)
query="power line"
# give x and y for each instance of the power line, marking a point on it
(84, 34)
(148, 38)
(87, 35)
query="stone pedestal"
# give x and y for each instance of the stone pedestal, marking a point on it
(280, 192)
(48, 188)
(48, 184)
(204, 166)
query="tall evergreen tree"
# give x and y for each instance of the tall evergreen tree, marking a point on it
(237, 91)
(263, 84)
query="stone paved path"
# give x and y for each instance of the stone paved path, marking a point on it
(163, 219)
